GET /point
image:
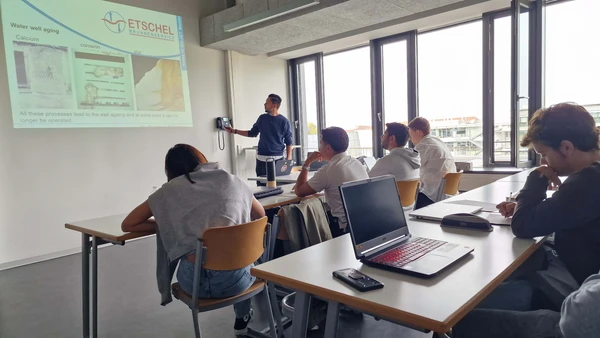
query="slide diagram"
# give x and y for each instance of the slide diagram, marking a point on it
(94, 64)
(103, 81)
(159, 88)
(43, 76)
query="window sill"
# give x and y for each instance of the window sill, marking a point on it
(495, 170)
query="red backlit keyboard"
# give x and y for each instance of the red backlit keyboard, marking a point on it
(408, 252)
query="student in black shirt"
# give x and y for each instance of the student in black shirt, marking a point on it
(566, 138)
(275, 134)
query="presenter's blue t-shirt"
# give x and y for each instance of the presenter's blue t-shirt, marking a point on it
(275, 134)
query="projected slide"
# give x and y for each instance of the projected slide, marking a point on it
(94, 64)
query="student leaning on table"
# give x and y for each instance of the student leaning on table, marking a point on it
(340, 169)
(198, 195)
(566, 138)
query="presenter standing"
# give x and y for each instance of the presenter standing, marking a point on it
(275, 134)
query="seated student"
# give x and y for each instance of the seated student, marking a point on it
(403, 163)
(566, 137)
(340, 169)
(578, 318)
(436, 161)
(198, 195)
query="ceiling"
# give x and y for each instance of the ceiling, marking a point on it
(331, 24)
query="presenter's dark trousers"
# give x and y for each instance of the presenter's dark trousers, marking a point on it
(261, 170)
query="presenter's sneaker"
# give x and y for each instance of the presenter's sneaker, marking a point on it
(241, 324)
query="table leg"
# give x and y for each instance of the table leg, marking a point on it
(331, 324)
(85, 283)
(301, 311)
(94, 287)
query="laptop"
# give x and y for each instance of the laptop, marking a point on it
(437, 211)
(283, 167)
(370, 162)
(380, 234)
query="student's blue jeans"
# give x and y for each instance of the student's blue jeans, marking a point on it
(217, 284)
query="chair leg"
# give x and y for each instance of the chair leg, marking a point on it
(275, 309)
(271, 319)
(196, 324)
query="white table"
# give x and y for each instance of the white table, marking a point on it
(520, 177)
(291, 178)
(431, 304)
(106, 230)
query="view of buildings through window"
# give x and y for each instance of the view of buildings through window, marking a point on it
(307, 104)
(347, 82)
(450, 81)
(572, 61)
(450, 88)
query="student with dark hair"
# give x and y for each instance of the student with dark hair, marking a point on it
(566, 138)
(403, 163)
(275, 134)
(436, 161)
(198, 195)
(340, 169)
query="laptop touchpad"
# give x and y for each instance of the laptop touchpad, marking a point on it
(428, 264)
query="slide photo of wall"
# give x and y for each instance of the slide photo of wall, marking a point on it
(43, 76)
(103, 81)
(158, 84)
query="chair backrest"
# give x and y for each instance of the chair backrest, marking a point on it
(234, 247)
(408, 191)
(452, 180)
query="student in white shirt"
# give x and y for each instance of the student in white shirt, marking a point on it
(436, 161)
(403, 163)
(340, 169)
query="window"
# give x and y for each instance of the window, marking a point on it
(450, 87)
(572, 54)
(502, 80)
(523, 73)
(347, 90)
(395, 100)
(460, 78)
(307, 106)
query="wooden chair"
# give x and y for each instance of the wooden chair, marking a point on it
(408, 192)
(231, 248)
(450, 184)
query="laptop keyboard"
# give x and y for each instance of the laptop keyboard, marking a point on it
(408, 252)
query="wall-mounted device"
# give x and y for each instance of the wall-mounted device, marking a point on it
(222, 124)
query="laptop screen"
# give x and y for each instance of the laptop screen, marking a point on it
(373, 209)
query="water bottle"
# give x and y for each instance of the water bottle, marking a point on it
(271, 183)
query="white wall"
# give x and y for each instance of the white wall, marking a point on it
(52, 176)
(255, 77)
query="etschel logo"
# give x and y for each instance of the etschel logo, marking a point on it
(114, 22)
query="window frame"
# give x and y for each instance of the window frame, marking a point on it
(295, 85)
(535, 77)
(377, 83)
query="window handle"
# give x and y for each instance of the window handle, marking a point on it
(296, 124)
(522, 97)
(379, 116)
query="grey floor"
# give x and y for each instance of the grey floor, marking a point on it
(44, 300)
